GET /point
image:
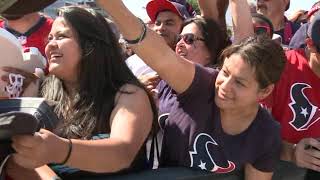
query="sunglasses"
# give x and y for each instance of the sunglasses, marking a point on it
(189, 38)
(261, 29)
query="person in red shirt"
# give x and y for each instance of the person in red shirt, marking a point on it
(295, 102)
(26, 23)
(31, 29)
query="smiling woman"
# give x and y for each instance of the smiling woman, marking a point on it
(102, 107)
(215, 125)
(63, 51)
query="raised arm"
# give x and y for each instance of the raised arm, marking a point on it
(153, 50)
(241, 19)
(214, 9)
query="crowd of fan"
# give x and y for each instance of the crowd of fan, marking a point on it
(173, 90)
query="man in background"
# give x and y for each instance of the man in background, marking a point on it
(166, 18)
(274, 10)
(25, 22)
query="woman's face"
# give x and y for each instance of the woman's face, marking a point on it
(194, 50)
(63, 51)
(236, 85)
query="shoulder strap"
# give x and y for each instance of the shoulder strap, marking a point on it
(154, 155)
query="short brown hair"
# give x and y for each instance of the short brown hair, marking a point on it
(264, 55)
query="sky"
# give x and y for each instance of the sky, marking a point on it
(137, 7)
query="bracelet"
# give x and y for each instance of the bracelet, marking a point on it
(141, 37)
(69, 152)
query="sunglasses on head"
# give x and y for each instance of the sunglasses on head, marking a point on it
(261, 29)
(189, 38)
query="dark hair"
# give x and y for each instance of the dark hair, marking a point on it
(264, 55)
(288, 6)
(214, 38)
(263, 19)
(102, 72)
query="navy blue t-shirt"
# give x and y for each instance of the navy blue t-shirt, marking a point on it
(193, 135)
(167, 97)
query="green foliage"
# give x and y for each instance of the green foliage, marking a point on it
(195, 5)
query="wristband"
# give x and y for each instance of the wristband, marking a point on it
(69, 152)
(142, 35)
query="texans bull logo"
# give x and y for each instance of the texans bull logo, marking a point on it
(304, 112)
(206, 155)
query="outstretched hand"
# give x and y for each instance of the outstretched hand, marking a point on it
(150, 82)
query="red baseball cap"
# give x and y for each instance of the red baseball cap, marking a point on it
(313, 10)
(155, 6)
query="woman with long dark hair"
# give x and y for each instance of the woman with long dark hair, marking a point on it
(106, 115)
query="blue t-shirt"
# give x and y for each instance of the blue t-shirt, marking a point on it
(193, 135)
(299, 39)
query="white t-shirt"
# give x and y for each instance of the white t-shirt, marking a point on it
(137, 66)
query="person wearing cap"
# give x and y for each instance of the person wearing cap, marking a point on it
(298, 40)
(295, 103)
(192, 119)
(167, 17)
(315, 8)
(27, 24)
(102, 107)
(274, 10)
